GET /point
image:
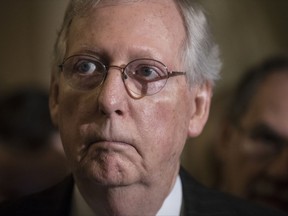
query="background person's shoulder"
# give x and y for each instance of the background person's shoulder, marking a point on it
(54, 201)
(200, 200)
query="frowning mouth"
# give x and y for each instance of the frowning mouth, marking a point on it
(97, 140)
(106, 144)
(104, 151)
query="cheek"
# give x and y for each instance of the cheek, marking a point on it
(71, 111)
(240, 164)
(161, 118)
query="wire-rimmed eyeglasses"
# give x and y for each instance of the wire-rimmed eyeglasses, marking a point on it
(141, 76)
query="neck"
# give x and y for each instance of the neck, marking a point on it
(137, 199)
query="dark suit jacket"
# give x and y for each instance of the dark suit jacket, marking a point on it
(198, 201)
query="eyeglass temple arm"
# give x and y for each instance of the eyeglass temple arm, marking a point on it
(175, 73)
(170, 74)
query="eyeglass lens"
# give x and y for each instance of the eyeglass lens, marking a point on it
(142, 76)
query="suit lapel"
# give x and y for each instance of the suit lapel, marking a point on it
(199, 200)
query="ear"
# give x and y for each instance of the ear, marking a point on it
(201, 101)
(54, 98)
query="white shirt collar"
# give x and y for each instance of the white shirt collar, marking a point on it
(170, 207)
(172, 204)
(79, 206)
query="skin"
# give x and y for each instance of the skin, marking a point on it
(124, 150)
(266, 180)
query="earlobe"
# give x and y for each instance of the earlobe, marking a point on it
(201, 100)
(53, 98)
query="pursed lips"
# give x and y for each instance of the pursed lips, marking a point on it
(107, 139)
(106, 142)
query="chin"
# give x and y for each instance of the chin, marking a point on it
(112, 173)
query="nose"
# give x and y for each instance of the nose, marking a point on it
(112, 93)
(279, 166)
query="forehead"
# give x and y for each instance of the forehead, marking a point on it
(153, 23)
(270, 103)
(273, 91)
(165, 10)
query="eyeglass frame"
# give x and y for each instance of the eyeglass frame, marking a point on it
(124, 74)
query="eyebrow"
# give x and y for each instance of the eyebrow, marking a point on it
(92, 52)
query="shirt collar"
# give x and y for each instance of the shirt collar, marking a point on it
(172, 203)
(79, 205)
(170, 206)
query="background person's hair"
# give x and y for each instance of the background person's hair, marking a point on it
(200, 52)
(25, 122)
(250, 82)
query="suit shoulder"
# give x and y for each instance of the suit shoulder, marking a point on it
(53, 201)
(199, 200)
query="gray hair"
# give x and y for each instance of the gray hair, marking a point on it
(200, 53)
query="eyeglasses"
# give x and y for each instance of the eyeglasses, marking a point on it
(141, 76)
(264, 143)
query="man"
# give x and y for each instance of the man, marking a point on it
(134, 80)
(253, 149)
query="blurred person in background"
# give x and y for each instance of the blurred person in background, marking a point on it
(253, 149)
(31, 153)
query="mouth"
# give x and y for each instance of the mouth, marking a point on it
(106, 143)
(106, 139)
(110, 145)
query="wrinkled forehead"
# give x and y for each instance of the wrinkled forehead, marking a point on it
(82, 6)
(118, 2)
(157, 16)
(164, 8)
(155, 26)
(168, 10)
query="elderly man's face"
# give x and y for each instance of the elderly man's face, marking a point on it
(110, 137)
(256, 155)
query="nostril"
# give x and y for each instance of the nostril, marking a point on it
(103, 112)
(119, 112)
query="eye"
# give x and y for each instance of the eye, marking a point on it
(147, 73)
(88, 67)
